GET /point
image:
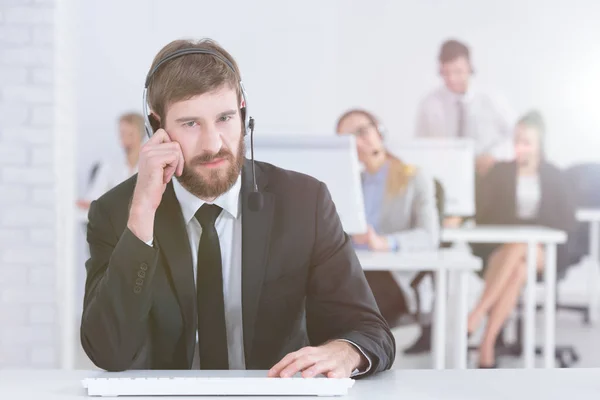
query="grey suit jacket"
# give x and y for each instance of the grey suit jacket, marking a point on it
(412, 215)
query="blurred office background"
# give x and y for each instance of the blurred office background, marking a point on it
(69, 68)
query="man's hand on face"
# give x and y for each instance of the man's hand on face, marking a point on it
(336, 359)
(160, 159)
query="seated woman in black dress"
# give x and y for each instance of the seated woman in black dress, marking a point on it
(528, 190)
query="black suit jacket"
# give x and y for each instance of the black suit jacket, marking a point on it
(497, 204)
(302, 283)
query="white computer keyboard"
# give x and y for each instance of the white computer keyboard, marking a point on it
(198, 383)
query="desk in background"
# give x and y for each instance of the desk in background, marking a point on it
(440, 262)
(532, 236)
(501, 384)
(592, 217)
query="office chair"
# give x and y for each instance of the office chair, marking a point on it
(565, 355)
(584, 181)
(93, 173)
(389, 296)
(423, 343)
(584, 184)
(440, 198)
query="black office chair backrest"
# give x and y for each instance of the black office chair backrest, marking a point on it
(440, 199)
(584, 187)
(93, 173)
(584, 180)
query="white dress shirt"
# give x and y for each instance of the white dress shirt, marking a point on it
(529, 194)
(487, 120)
(110, 173)
(229, 229)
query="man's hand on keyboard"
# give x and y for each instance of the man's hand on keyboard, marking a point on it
(336, 359)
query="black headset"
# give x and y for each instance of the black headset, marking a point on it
(255, 200)
(372, 118)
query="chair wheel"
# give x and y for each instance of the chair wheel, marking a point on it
(566, 358)
(574, 356)
(562, 364)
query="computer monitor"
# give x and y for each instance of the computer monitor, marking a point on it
(328, 158)
(449, 160)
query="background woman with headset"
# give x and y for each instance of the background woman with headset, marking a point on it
(400, 207)
(526, 191)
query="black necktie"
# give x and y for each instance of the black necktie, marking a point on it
(212, 334)
(461, 119)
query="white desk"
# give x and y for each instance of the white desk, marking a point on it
(441, 262)
(592, 216)
(532, 236)
(501, 384)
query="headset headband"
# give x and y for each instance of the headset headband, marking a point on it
(374, 120)
(184, 52)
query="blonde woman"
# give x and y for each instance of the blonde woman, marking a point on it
(400, 207)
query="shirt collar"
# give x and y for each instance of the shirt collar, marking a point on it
(190, 203)
(465, 98)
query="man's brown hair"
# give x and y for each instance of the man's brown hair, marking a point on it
(453, 49)
(190, 75)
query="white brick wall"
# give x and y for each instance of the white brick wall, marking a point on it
(12, 114)
(10, 236)
(28, 302)
(26, 134)
(12, 75)
(13, 155)
(34, 14)
(42, 75)
(30, 56)
(15, 34)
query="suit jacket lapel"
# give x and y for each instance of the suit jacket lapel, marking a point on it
(548, 197)
(511, 186)
(172, 238)
(256, 231)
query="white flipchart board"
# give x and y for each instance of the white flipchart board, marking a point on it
(328, 158)
(449, 160)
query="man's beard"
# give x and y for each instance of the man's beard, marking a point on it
(215, 185)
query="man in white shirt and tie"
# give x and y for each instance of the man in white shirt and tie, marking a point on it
(458, 109)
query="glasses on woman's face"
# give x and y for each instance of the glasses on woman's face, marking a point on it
(363, 130)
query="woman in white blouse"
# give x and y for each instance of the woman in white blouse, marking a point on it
(528, 190)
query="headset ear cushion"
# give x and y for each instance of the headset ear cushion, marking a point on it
(243, 116)
(154, 123)
(382, 132)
